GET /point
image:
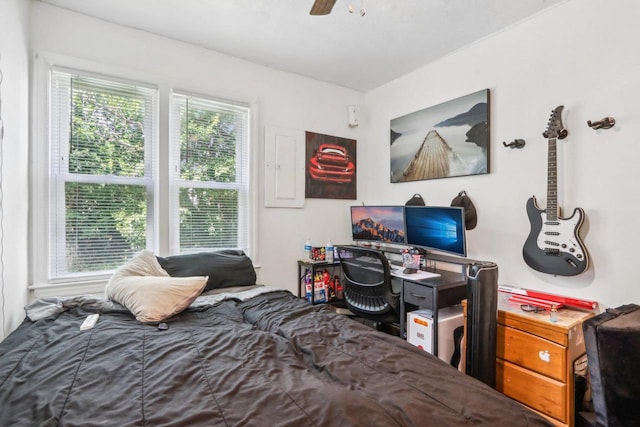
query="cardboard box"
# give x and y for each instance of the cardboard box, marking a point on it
(420, 330)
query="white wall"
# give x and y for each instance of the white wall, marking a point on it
(14, 97)
(581, 54)
(284, 100)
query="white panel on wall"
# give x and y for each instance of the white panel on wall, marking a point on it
(284, 168)
(285, 176)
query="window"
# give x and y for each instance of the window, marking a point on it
(210, 173)
(102, 173)
(101, 181)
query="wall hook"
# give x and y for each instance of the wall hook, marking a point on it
(516, 143)
(605, 123)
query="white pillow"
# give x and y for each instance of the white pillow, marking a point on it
(143, 264)
(147, 290)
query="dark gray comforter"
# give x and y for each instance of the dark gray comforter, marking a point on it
(272, 360)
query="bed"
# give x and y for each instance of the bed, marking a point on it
(247, 355)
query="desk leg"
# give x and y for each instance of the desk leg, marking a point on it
(434, 335)
(403, 312)
(299, 280)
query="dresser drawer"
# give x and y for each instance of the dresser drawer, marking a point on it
(531, 352)
(419, 295)
(537, 391)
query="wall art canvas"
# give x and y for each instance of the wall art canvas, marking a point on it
(446, 140)
(330, 167)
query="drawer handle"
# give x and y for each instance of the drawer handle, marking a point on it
(418, 295)
(544, 356)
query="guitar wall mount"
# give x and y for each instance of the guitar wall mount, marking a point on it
(606, 123)
(516, 143)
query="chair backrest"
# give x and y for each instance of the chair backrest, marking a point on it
(367, 286)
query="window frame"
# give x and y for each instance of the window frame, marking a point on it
(244, 186)
(60, 177)
(163, 243)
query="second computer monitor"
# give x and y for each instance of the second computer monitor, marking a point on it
(438, 228)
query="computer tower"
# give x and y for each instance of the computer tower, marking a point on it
(482, 321)
(420, 330)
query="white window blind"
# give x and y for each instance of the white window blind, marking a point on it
(210, 174)
(101, 173)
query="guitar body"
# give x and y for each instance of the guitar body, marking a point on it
(554, 246)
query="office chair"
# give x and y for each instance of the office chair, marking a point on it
(368, 290)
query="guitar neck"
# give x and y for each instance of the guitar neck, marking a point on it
(552, 181)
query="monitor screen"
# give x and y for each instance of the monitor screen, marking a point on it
(439, 228)
(378, 223)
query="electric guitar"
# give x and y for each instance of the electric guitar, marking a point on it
(554, 244)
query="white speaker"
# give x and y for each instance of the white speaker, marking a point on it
(353, 120)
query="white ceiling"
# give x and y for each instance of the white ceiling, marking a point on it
(393, 38)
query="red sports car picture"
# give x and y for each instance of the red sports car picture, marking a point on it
(331, 167)
(332, 163)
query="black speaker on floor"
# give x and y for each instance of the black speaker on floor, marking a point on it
(482, 321)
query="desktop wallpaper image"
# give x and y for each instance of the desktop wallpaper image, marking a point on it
(378, 223)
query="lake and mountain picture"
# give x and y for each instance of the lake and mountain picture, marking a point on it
(446, 140)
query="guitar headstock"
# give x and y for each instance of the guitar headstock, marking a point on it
(555, 128)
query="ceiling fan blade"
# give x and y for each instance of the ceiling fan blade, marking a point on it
(322, 7)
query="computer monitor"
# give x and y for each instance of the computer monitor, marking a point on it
(378, 224)
(437, 228)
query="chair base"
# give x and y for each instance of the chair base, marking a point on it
(387, 328)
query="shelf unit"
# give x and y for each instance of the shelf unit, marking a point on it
(315, 266)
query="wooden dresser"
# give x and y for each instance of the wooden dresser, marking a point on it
(535, 358)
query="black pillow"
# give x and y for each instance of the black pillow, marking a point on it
(225, 268)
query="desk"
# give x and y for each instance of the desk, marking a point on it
(433, 293)
(448, 289)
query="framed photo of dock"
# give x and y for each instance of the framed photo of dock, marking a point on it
(442, 141)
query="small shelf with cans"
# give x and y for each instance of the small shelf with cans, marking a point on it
(320, 275)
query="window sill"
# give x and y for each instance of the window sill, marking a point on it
(89, 287)
(68, 289)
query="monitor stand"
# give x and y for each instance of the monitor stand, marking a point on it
(421, 251)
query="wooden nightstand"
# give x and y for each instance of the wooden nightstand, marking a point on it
(535, 358)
